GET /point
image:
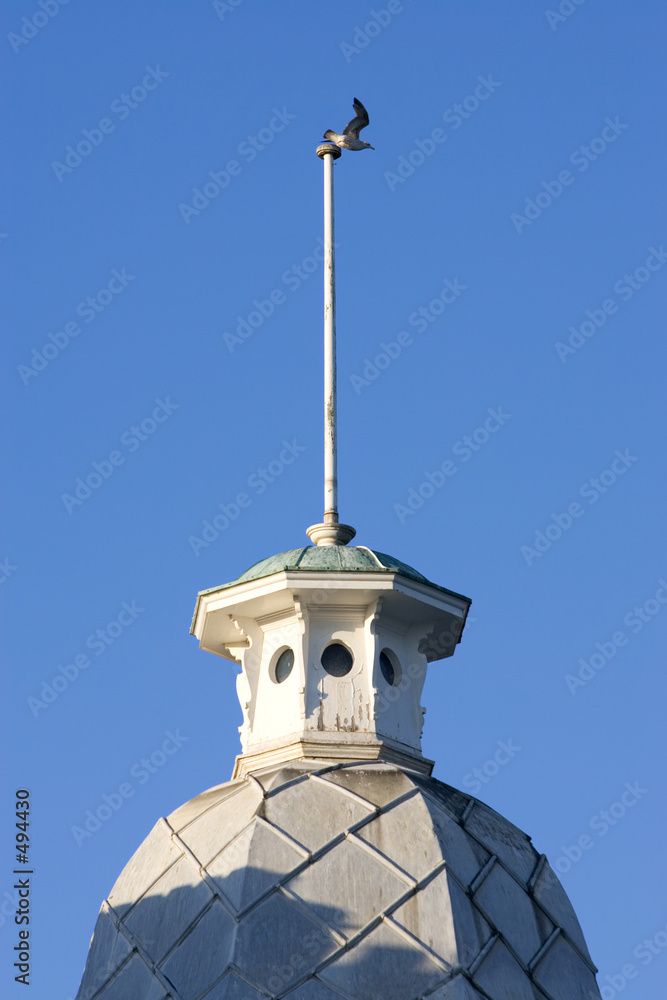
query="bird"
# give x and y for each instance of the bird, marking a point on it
(350, 136)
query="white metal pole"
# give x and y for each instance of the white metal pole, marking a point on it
(330, 395)
(330, 532)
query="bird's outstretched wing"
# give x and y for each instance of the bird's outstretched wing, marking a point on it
(359, 121)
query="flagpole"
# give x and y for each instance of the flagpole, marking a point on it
(330, 532)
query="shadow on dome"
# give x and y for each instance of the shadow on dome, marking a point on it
(193, 943)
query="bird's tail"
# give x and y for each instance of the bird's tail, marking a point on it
(330, 135)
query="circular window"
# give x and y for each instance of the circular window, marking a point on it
(389, 668)
(337, 660)
(283, 667)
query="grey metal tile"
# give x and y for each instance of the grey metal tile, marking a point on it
(563, 974)
(278, 944)
(155, 855)
(170, 907)
(382, 957)
(204, 954)
(313, 813)
(209, 833)
(511, 910)
(108, 950)
(254, 862)
(503, 839)
(500, 975)
(347, 887)
(134, 980)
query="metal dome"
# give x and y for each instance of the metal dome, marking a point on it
(330, 558)
(348, 882)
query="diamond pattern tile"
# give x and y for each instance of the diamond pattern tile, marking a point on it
(203, 956)
(443, 917)
(157, 927)
(212, 830)
(377, 783)
(252, 864)
(464, 856)
(512, 912)
(231, 987)
(312, 813)
(404, 833)
(134, 980)
(553, 898)
(501, 838)
(502, 976)
(154, 857)
(335, 887)
(563, 974)
(383, 957)
(108, 950)
(289, 942)
(195, 807)
(278, 943)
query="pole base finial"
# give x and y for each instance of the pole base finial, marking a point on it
(331, 534)
(328, 149)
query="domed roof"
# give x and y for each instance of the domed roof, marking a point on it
(356, 881)
(329, 558)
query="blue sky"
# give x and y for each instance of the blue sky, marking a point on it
(501, 274)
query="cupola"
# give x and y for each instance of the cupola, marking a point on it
(333, 644)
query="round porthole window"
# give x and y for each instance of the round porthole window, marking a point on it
(337, 660)
(389, 668)
(283, 667)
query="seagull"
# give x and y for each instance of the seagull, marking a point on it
(350, 137)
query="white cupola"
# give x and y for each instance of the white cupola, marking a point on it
(333, 644)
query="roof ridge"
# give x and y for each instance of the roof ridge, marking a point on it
(366, 549)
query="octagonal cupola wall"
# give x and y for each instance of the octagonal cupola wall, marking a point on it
(333, 644)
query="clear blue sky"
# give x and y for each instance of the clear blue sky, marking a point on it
(518, 157)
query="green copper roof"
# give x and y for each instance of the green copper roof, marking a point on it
(341, 558)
